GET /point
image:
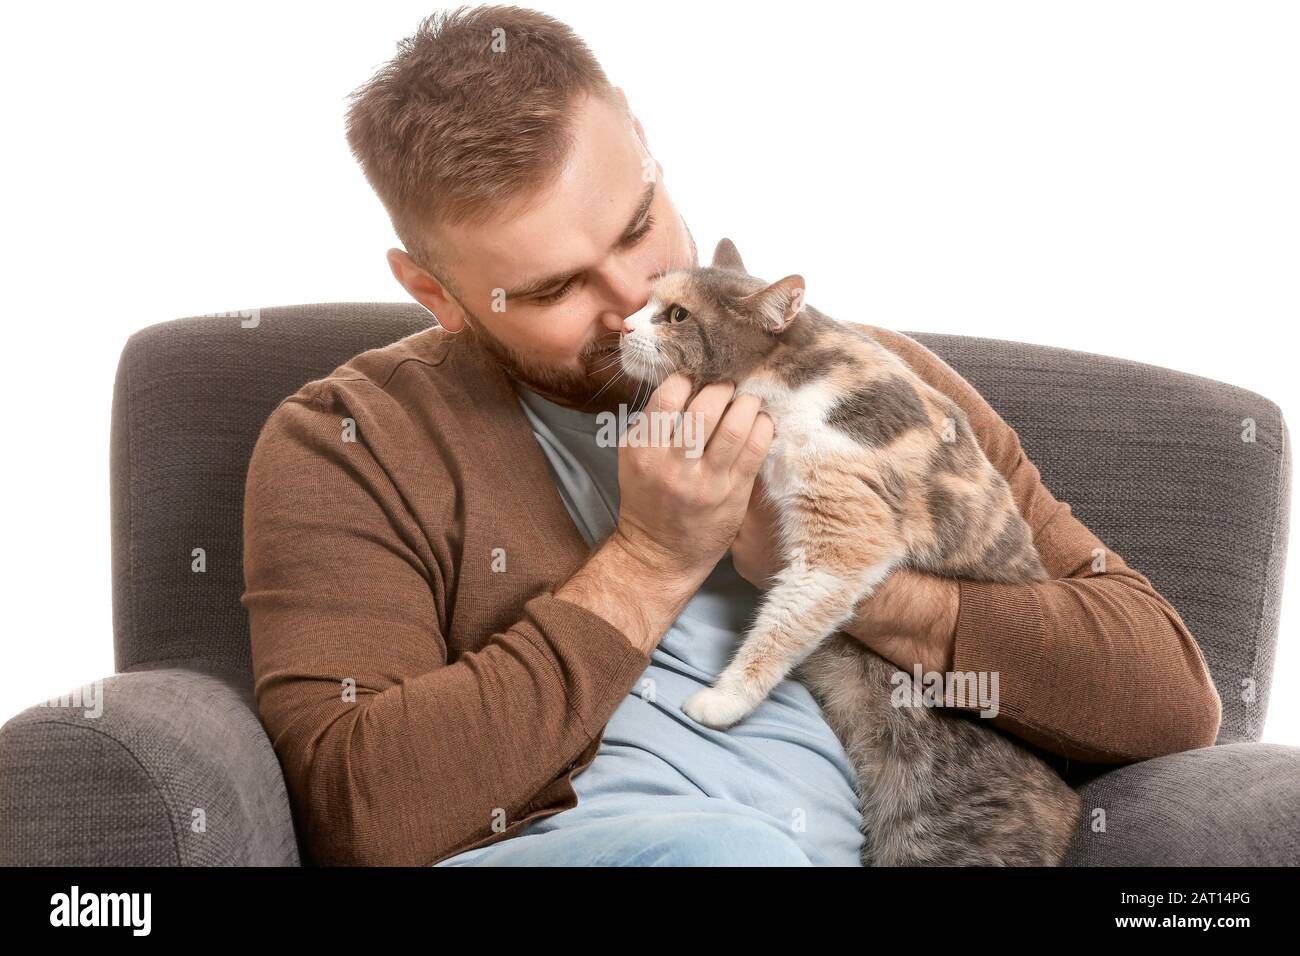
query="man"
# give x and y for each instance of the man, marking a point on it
(474, 622)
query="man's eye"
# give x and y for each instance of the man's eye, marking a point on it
(557, 294)
(631, 240)
(640, 234)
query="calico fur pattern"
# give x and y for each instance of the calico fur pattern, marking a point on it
(871, 469)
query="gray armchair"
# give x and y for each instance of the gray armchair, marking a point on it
(175, 768)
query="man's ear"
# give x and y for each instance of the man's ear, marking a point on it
(427, 290)
(778, 304)
(727, 256)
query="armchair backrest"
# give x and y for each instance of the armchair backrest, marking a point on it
(1152, 460)
(189, 401)
(1156, 464)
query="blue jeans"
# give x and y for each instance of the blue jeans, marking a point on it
(664, 839)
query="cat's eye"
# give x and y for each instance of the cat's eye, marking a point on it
(678, 314)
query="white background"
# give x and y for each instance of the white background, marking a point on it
(1119, 178)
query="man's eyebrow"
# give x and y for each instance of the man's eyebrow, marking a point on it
(541, 285)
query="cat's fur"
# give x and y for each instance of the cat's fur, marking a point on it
(870, 469)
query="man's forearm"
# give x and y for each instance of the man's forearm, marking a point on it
(1063, 683)
(634, 593)
(1097, 668)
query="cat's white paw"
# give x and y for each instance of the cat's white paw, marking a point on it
(715, 708)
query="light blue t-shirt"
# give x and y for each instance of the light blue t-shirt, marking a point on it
(782, 763)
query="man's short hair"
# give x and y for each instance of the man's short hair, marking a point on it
(472, 113)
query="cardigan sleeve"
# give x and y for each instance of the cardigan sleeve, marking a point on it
(1094, 664)
(392, 754)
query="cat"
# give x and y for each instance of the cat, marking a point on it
(870, 469)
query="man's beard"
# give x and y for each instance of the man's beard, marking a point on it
(601, 386)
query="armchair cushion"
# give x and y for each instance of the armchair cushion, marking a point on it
(175, 770)
(1227, 805)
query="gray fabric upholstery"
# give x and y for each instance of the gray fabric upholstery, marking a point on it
(1150, 459)
(1153, 462)
(173, 768)
(1227, 805)
(188, 402)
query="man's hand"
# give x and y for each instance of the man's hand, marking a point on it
(677, 512)
(679, 509)
(910, 619)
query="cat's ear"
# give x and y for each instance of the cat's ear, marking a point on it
(727, 256)
(778, 304)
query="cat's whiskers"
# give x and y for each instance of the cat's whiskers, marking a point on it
(607, 385)
(656, 363)
(615, 359)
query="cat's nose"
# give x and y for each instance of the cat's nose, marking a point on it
(627, 328)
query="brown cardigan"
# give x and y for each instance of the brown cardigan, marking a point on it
(422, 703)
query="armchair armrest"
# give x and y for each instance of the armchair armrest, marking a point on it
(163, 767)
(1227, 805)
